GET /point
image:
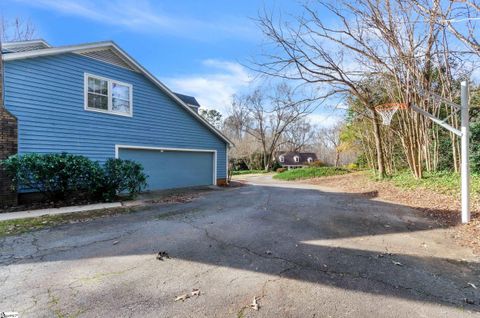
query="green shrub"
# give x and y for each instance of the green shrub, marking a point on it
(65, 176)
(275, 166)
(310, 172)
(54, 175)
(242, 172)
(316, 163)
(280, 170)
(475, 147)
(352, 166)
(121, 176)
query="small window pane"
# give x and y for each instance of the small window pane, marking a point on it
(120, 105)
(91, 84)
(97, 86)
(102, 87)
(120, 91)
(97, 101)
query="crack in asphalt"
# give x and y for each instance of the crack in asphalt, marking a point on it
(12, 258)
(302, 266)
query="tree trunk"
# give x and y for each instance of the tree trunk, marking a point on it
(378, 146)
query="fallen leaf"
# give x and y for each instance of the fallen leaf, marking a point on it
(473, 285)
(115, 242)
(182, 297)
(397, 263)
(161, 255)
(254, 304)
(196, 292)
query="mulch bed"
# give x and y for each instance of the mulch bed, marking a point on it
(444, 208)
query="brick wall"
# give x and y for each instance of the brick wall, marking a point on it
(8, 147)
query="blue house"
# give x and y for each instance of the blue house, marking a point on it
(95, 100)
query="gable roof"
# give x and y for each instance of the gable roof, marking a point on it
(290, 161)
(88, 48)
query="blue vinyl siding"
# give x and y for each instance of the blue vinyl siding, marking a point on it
(173, 169)
(46, 94)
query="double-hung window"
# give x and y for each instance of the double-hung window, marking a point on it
(107, 95)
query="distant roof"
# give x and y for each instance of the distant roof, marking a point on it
(189, 100)
(290, 161)
(38, 48)
(24, 46)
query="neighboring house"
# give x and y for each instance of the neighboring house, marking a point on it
(95, 100)
(295, 159)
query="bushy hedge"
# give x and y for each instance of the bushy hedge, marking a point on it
(65, 176)
(310, 172)
(121, 176)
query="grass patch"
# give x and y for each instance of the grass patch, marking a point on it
(242, 172)
(310, 172)
(14, 227)
(444, 182)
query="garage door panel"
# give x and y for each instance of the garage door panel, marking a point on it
(173, 169)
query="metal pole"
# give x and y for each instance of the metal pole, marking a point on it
(465, 167)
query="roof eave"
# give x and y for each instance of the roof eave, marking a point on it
(25, 43)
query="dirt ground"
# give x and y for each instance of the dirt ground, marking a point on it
(445, 209)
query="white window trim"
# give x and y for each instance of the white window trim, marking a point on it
(110, 82)
(310, 159)
(213, 151)
(296, 158)
(281, 159)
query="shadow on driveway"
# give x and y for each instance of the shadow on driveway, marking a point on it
(334, 239)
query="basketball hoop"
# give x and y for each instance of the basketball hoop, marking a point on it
(388, 110)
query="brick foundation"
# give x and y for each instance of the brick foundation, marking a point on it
(8, 147)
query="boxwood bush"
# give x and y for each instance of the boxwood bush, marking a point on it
(61, 177)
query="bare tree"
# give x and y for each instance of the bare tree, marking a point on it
(16, 29)
(310, 52)
(330, 137)
(390, 41)
(298, 136)
(267, 117)
(461, 18)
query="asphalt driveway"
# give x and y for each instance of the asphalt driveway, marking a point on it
(303, 251)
